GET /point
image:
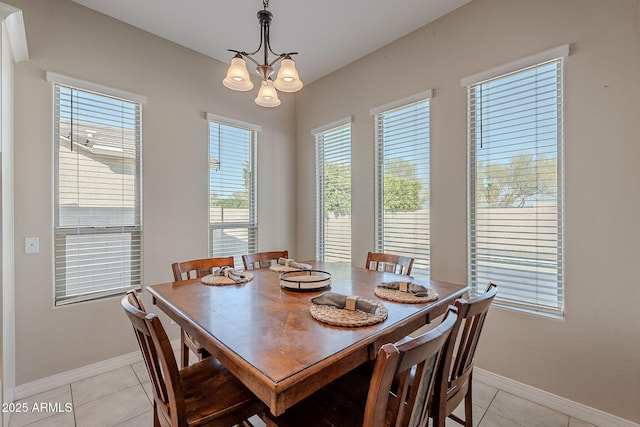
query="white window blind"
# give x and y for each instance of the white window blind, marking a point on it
(333, 194)
(515, 184)
(402, 183)
(98, 229)
(233, 226)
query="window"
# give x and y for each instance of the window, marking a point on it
(333, 192)
(233, 224)
(97, 191)
(402, 180)
(515, 183)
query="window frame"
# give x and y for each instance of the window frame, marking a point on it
(61, 233)
(519, 68)
(379, 144)
(319, 135)
(252, 224)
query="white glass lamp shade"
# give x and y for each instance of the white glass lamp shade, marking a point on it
(288, 80)
(267, 96)
(238, 76)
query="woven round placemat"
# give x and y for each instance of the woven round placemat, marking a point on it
(405, 297)
(284, 268)
(348, 318)
(212, 280)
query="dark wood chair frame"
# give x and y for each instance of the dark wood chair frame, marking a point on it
(396, 393)
(389, 262)
(189, 270)
(199, 267)
(262, 259)
(455, 373)
(204, 394)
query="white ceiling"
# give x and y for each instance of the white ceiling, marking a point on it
(328, 35)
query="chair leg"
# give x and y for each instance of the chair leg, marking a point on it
(436, 412)
(439, 419)
(156, 420)
(184, 351)
(468, 410)
(468, 406)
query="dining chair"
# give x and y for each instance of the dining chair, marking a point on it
(199, 267)
(203, 394)
(455, 373)
(396, 393)
(389, 262)
(190, 270)
(262, 259)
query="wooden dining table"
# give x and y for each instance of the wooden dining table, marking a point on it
(264, 334)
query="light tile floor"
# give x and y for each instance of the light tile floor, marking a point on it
(122, 398)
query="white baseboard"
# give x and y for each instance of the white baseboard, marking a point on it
(558, 403)
(66, 378)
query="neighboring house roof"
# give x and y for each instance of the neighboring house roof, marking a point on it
(99, 139)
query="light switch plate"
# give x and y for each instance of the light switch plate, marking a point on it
(31, 245)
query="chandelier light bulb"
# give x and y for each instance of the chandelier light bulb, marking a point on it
(237, 75)
(267, 96)
(288, 80)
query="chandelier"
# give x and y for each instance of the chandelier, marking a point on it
(287, 79)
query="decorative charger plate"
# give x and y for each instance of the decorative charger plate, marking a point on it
(348, 318)
(214, 280)
(405, 297)
(305, 280)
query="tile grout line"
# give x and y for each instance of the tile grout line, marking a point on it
(75, 422)
(48, 416)
(149, 398)
(484, 413)
(145, 394)
(73, 405)
(110, 394)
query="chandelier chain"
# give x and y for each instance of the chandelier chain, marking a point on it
(265, 4)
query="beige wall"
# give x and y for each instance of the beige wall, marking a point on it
(591, 355)
(181, 86)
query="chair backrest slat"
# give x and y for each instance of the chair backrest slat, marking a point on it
(389, 262)
(471, 320)
(469, 339)
(198, 267)
(262, 259)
